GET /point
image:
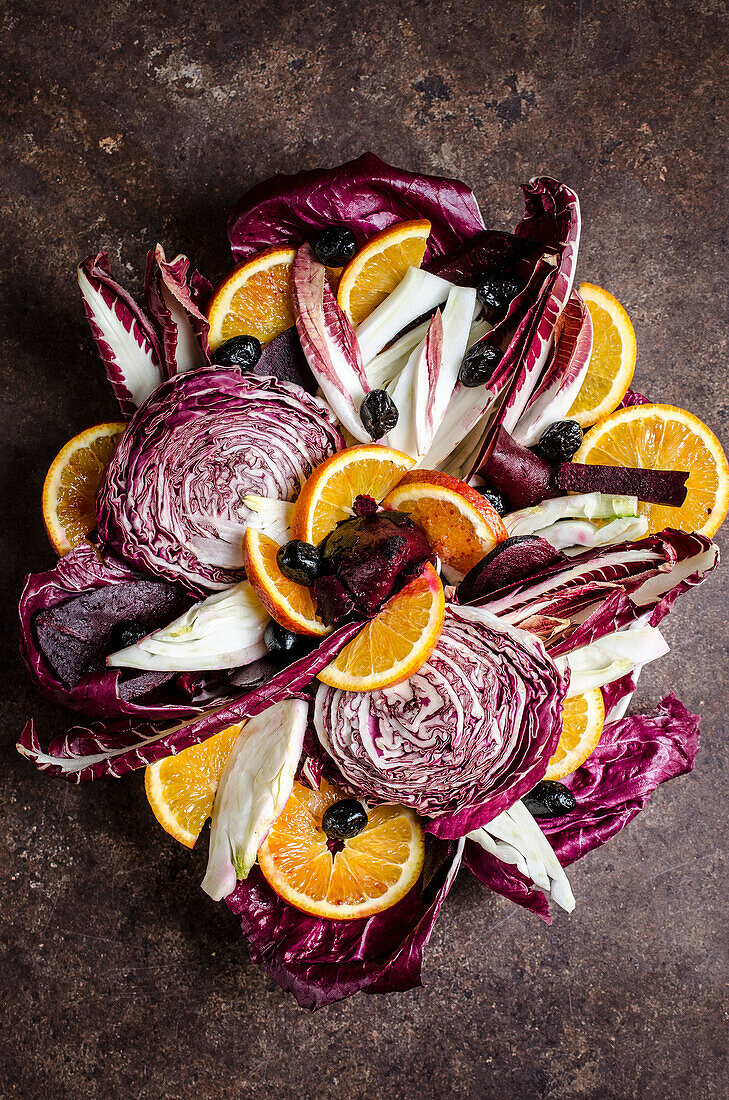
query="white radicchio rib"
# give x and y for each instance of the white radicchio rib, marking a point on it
(329, 342)
(563, 377)
(418, 292)
(223, 631)
(515, 837)
(464, 737)
(175, 299)
(253, 790)
(124, 336)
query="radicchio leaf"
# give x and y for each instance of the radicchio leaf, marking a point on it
(329, 342)
(505, 879)
(365, 195)
(633, 756)
(175, 300)
(115, 748)
(172, 500)
(321, 961)
(69, 618)
(563, 376)
(124, 336)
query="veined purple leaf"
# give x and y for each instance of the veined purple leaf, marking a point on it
(69, 619)
(321, 961)
(564, 375)
(173, 299)
(126, 340)
(116, 748)
(633, 756)
(365, 195)
(632, 397)
(505, 879)
(329, 342)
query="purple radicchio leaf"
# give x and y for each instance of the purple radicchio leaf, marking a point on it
(632, 397)
(69, 618)
(115, 748)
(366, 195)
(173, 498)
(124, 336)
(175, 300)
(488, 702)
(329, 342)
(563, 376)
(633, 756)
(552, 217)
(321, 961)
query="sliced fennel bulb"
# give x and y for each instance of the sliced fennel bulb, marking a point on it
(515, 837)
(611, 657)
(253, 790)
(223, 631)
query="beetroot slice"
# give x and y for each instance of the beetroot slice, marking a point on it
(511, 561)
(667, 487)
(522, 477)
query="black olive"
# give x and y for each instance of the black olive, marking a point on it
(344, 819)
(299, 561)
(279, 640)
(560, 441)
(549, 799)
(479, 364)
(240, 351)
(378, 412)
(126, 634)
(495, 499)
(496, 292)
(335, 246)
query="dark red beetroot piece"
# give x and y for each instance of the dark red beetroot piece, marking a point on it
(365, 561)
(284, 359)
(524, 479)
(512, 560)
(666, 487)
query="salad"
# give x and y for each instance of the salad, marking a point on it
(368, 568)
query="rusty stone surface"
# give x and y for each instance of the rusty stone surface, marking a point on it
(123, 126)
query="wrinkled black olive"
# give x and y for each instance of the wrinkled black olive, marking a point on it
(240, 351)
(479, 364)
(560, 441)
(497, 292)
(344, 819)
(495, 499)
(126, 634)
(335, 246)
(299, 561)
(549, 799)
(378, 413)
(279, 640)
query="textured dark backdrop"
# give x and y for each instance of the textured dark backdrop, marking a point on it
(121, 128)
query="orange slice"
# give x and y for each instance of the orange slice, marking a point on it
(458, 522)
(290, 604)
(181, 789)
(663, 437)
(378, 267)
(371, 872)
(583, 718)
(612, 363)
(255, 300)
(329, 493)
(69, 491)
(394, 644)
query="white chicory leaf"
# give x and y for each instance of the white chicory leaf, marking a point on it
(269, 516)
(254, 788)
(417, 293)
(515, 837)
(223, 631)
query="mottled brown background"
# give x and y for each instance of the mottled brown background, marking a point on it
(121, 128)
